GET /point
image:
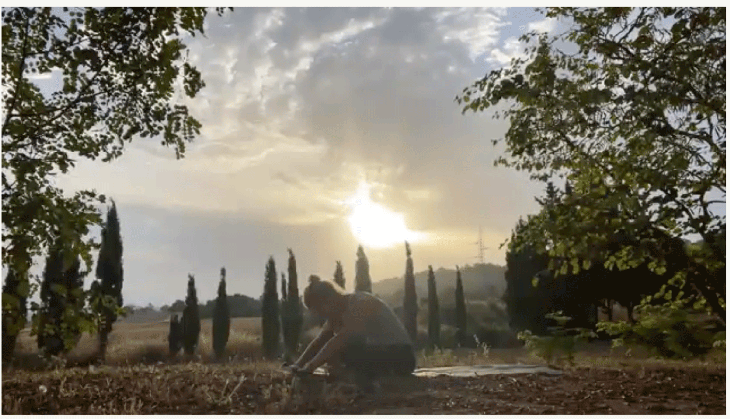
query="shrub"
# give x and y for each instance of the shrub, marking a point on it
(669, 330)
(560, 344)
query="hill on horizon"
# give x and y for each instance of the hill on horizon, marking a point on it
(481, 281)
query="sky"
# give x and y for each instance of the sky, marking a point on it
(322, 128)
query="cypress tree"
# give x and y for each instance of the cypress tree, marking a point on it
(75, 300)
(61, 302)
(110, 273)
(283, 287)
(191, 319)
(270, 312)
(284, 314)
(50, 309)
(460, 310)
(221, 319)
(175, 338)
(14, 316)
(362, 272)
(339, 275)
(410, 302)
(434, 321)
(295, 319)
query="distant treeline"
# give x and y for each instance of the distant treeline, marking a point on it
(238, 304)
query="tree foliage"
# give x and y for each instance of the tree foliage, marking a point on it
(526, 304)
(283, 287)
(284, 313)
(362, 272)
(634, 116)
(339, 276)
(410, 300)
(434, 319)
(191, 319)
(117, 72)
(221, 319)
(59, 319)
(14, 313)
(292, 310)
(270, 325)
(238, 305)
(110, 273)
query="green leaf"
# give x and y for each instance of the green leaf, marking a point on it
(629, 169)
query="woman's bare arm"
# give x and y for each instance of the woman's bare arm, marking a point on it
(324, 336)
(332, 347)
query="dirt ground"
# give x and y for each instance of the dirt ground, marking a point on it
(226, 389)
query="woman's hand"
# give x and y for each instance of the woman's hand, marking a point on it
(293, 368)
(307, 369)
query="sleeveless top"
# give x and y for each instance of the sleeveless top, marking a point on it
(374, 320)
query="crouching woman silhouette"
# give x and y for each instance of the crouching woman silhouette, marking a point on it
(361, 335)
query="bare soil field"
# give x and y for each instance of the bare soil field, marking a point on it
(262, 389)
(140, 378)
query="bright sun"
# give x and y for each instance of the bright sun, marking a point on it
(374, 225)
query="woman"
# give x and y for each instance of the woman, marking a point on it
(362, 333)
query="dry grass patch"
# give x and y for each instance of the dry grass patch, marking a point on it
(133, 343)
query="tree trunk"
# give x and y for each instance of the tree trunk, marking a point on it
(103, 343)
(630, 312)
(608, 309)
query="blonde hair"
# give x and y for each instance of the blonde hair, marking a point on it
(319, 290)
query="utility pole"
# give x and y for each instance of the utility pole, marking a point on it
(482, 248)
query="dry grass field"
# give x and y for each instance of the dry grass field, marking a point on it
(139, 378)
(133, 343)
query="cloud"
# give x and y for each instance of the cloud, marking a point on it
(302, 104)
(511, 48)
(545, 25)
(340, 94)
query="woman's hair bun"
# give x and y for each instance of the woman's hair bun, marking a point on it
(313, 279)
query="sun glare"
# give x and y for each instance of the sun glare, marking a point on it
(373, 225)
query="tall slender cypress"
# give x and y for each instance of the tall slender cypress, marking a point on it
(410, 302)
(284, 314)
(283, 287)
(51, 308)
(270, 312)
(221, 319)
(295, 318)
(110, 273)
(191, 319)
(434, 320)
(61, 301)
(362, 272)
(460, 310)
(339, 275)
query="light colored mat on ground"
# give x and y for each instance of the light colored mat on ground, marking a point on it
(475, 370)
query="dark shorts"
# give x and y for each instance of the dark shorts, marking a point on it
(378, 360)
